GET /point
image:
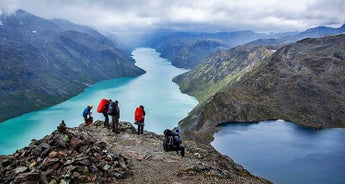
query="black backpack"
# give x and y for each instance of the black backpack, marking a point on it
(111, 109)
(170, 142)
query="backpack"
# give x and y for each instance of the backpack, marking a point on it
(168, 140)
(89, 120)
(171, 140)
(102, 105)
(138, 115)
(111, 108)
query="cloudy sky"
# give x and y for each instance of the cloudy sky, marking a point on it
(189, 15)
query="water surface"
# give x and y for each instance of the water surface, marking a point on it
(284, 152)
(164, 104)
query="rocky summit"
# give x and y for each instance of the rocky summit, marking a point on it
(94, 154)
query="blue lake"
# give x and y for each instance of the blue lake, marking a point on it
(279, 151)
(164, 104)
(284, 152)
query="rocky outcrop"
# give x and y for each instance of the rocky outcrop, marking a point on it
(302, 82)
(93, 154)
(65, 156)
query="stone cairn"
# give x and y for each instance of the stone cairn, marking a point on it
(65, 156)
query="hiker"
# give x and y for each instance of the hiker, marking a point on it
(114, 112)
(139, 117)
(178, 142)
(105, 114)
(173, 141)
(87, 113)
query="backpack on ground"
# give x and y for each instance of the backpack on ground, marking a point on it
(89, 120)
(168, 142)
(172, 142)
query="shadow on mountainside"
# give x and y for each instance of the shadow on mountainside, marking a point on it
(94, 154)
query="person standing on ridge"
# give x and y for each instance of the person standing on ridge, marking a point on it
(114, 111)
(105, 114)
(139, 117)
(87, 113)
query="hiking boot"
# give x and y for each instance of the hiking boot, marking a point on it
(182, 151)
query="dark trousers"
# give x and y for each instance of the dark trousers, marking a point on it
(106, 121)
(140, 128)
(181, 148)
(115, 123)
(178, 148)
(85, 118)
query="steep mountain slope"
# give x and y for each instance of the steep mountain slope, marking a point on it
(302, 82)
(220, 70)
(43, 63)
(189, 54)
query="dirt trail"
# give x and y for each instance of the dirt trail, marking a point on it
(149, 163)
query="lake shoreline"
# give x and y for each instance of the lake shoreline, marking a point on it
(157, 93)
(286, 148)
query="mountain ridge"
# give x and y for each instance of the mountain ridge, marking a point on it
(187, 50)
(44, 64)
(177, 46)
(302, 82)
(219, 69)
(315, 32)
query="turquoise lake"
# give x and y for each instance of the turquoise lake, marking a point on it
(277, 150)
(164, 104)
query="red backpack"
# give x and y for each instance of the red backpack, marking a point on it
(138, 115)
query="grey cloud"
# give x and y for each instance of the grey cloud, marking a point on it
(201, 15)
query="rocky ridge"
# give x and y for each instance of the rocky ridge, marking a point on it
(93, 154)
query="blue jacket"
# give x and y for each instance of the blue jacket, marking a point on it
(86, 111)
